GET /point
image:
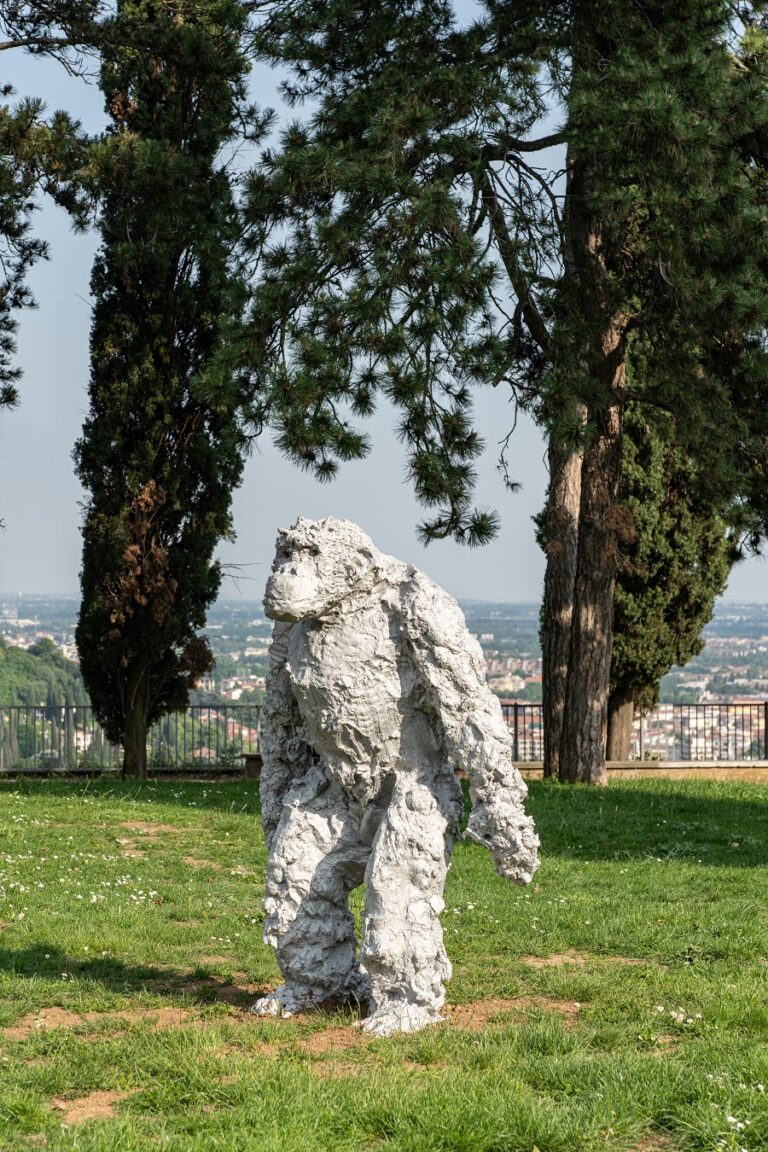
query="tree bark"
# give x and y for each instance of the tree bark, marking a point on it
(585, 722)
(135, 737)
(621, 713)
(561, 532)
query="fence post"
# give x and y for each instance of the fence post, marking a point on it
(515, 744)
(765, 730)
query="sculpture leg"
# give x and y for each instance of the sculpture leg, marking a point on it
(402, 948)
(315, 860)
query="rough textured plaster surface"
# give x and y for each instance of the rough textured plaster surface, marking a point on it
(376, 693)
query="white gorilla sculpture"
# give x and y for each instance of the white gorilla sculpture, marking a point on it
(376, 693)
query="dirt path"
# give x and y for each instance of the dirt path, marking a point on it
(633, 770)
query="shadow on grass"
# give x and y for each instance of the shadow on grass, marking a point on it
(239, 796)
(720, 825)
(47, 962)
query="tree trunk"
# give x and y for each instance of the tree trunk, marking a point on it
(135, 736)
(621, 713)
(561, 532)
(585, 722)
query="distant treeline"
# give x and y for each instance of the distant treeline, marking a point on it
(39, 675)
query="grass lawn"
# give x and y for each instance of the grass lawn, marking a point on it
(619, 1003)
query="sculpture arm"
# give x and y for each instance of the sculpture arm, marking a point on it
(450, 673)
(286, 756)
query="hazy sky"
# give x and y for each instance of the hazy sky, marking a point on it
(39, 494)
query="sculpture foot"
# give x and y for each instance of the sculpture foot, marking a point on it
(285, 1002)
(288, 1000)
(399, 1017)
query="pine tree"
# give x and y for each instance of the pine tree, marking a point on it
(423, 248)
(161, 449)
(36, 153)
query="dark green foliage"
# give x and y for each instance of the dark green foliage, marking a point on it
(380, 276)
(62, 28)
(161, 449)
(420, 243)
(660, 125)
(34, 155)
(18, 249)
(675, 566)
(677, 550)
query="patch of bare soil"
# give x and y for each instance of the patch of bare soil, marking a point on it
(334, 1069)
(482, 1013)
(193, 862)
(337, 1039)
(238, 994)
(755, 775)
(653, 1142)
(558, 959)
(530, 771)
(145, 828)
(48, 1019)
(555, 960)
(94, 1106)
(159, 1018)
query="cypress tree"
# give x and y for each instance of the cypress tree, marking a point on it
(674, 564)
(161, 449)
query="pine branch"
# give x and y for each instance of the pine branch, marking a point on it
(507, 251)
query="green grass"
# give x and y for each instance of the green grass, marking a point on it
(137, 911)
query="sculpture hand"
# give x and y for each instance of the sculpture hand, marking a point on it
(514, 846)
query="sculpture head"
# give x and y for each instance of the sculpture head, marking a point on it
(318, 563)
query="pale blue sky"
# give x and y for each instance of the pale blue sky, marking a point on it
(39, 495)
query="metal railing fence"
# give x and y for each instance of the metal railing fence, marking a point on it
(68, 738)
(216, 737)
(703, 732)
(527, 726)
(694, 732)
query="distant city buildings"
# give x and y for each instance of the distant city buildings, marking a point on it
(732, 667)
